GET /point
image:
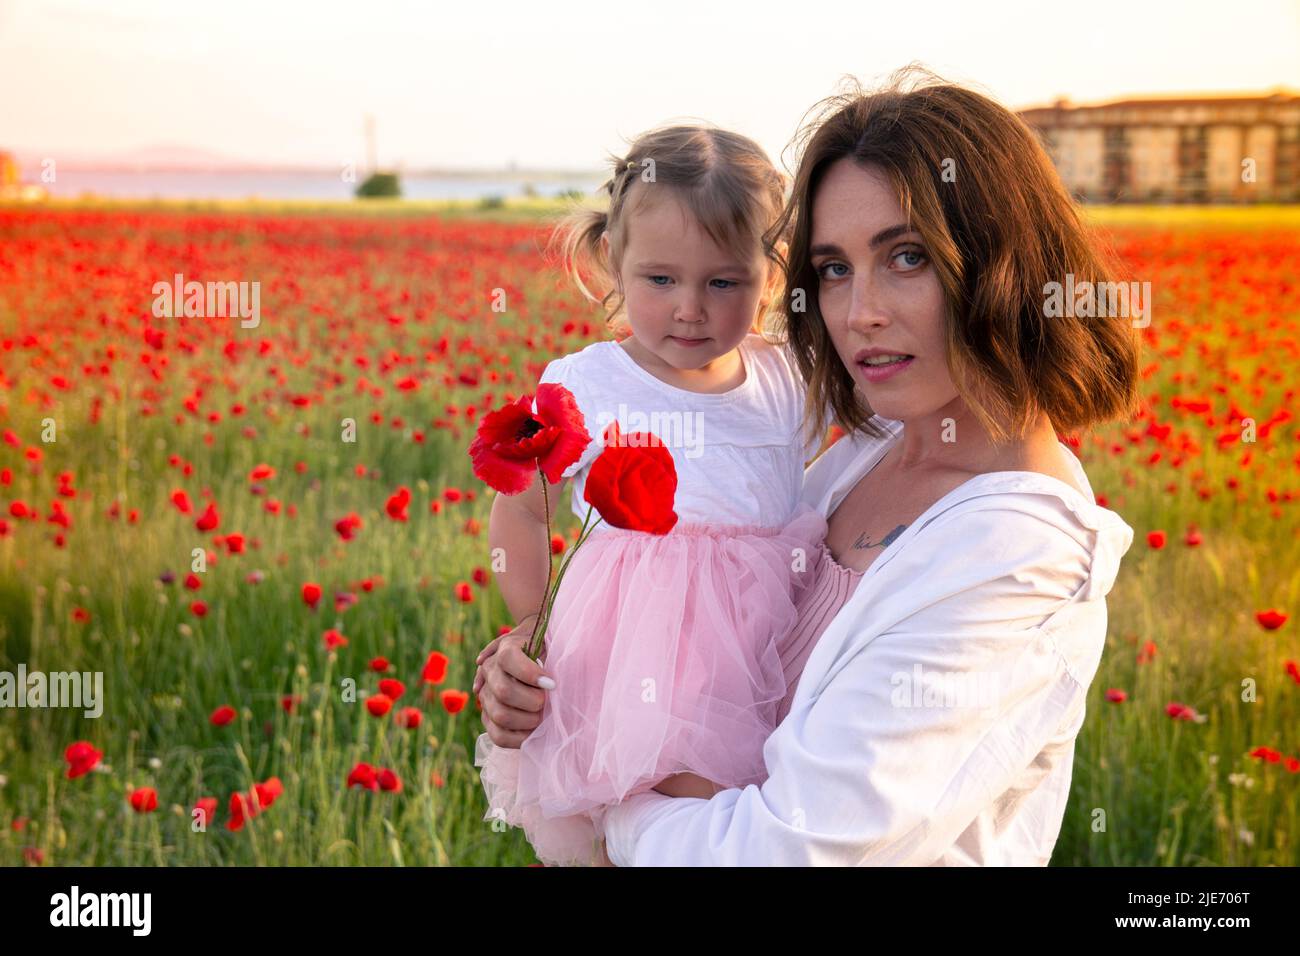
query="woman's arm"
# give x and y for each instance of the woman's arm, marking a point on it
(883, 767)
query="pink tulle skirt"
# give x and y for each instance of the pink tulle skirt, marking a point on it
(665, 651)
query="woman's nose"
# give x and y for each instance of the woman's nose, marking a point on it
(867, 310)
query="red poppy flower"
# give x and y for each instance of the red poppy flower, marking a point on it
(435, 668)
(347, 527)
(379, 664)
(454, 701)
(222, 715)
(1267, 754)
(514, 442)
(363, 775)
(397, 503)
(235, 543)
(207, 809)
(379, 704)
(389, 781)
(144, 800)
(1116, 696)
(81, 758)
(311, 595)
(557, 544)
(633, 481)
(241, 809)
(182, 501)
(392, 687)
(1156, 540)
(464, 594)
(261, 473)
(267, 791)
(209, 519)
(198, 608)
(408, 718)
(1271, 619)
(333, 639)
(1180, 711)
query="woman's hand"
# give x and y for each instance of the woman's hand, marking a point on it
(511, 687)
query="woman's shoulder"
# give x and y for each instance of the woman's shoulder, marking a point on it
(1030, 524)
(837, 469)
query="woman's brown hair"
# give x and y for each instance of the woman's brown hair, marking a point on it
(998, 225)
(724, 179)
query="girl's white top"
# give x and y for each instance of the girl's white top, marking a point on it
(738, 454)
(934, 722)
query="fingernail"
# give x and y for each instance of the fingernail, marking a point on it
(546, 682)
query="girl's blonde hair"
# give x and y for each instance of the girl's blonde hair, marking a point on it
(724, 179)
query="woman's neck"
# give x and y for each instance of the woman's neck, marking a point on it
(953, 437)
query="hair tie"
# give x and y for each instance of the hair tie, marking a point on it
(631, 164)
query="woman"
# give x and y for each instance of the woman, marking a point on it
(957, 615)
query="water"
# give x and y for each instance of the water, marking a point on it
(291, 185)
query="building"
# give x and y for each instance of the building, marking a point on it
(1212, 149)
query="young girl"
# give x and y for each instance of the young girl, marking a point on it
(666, 649)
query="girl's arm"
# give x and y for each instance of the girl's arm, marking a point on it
(520, 546)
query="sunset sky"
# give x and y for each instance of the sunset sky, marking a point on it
(551, 85)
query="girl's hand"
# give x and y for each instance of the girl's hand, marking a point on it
(511, 687)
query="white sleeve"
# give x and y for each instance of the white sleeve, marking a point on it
(562, 371)
(868, 774)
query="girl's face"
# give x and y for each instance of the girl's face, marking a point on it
(879, 295)
(689, 300)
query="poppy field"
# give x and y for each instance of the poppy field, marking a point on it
(255, 541)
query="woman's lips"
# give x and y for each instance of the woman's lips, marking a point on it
(883, 373)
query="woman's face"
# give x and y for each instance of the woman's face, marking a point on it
(879, 295)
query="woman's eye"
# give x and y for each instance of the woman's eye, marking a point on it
(913, 258)
(822, 270)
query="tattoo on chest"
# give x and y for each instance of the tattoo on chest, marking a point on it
(864, 542)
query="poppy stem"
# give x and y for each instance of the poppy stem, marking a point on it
(544, 616)
(550, 568)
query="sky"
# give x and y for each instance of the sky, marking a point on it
(548, 85)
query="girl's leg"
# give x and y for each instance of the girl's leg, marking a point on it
(687, 785)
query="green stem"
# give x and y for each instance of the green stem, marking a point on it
(544, 615)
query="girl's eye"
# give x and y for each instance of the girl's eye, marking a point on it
(821, 270)
(916, 255)
(654, 280)
(727, 283)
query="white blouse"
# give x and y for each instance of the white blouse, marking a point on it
(934, 722)
(739, 454)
